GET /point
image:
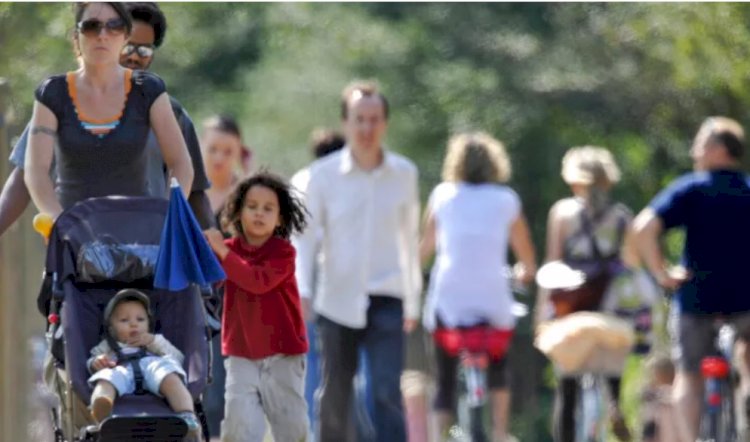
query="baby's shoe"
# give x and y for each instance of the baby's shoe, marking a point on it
(194, 426)
(101, 408)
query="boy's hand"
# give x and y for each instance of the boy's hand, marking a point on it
(101, 362)
(216, 241)
(143, 340)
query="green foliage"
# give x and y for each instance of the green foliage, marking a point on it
(637, 78)
(33, 45)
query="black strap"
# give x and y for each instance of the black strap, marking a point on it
(588, 229)
(137, 372)
(132, 359)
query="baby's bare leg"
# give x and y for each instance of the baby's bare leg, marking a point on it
(176, 393)
(102, 400)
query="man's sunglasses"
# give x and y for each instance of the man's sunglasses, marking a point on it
(143, 51)
(93, 27)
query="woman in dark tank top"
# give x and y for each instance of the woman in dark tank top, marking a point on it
(590, 172)
(100, 115)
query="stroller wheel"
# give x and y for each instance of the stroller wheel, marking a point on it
(88, 434)
(59, 436)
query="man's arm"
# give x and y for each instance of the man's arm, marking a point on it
(198, 201)
(171, 142)
(15, 196)
(306, 242)
(13, 200)
(648, 228)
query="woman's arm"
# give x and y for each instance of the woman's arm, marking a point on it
(39, 159)
(556, 230)
(427, 243)
(523, 249)
(171, 142)
(554, 252)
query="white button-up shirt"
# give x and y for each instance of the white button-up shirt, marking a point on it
(368, 228)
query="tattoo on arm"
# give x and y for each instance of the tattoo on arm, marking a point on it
(43, 130)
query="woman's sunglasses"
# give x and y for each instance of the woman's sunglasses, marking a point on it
(93, 27)
(143, 51)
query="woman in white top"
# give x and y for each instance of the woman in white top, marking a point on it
(470, 220)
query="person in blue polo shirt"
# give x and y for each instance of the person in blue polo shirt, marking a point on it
(712, 205)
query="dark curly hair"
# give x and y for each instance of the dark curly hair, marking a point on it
(292, 211)
(149, 12)
(325, 141)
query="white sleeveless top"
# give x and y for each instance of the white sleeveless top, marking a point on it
(469, 280)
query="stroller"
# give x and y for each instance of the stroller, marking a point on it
(96, 248)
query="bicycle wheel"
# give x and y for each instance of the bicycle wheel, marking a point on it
(729, 423)
(718, 421)
(472, 402)
(590, 426)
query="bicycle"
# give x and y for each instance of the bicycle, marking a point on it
(718, 419)
(590, 414)
(601, 359)
(476, 346)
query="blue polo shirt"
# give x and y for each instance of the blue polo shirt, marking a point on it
(714, 209)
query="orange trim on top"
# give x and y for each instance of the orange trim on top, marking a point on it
(73, 92)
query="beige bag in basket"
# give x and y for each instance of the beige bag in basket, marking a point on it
(586, 341)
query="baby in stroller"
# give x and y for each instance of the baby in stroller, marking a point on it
(131, 358)
(93, 257)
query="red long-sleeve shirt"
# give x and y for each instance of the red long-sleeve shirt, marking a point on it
(262, 313)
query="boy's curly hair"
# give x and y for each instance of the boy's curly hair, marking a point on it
(292, 211)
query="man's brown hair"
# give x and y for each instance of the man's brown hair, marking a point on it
(361, 89)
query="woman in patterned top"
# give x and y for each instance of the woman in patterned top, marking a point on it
(574, 224)
(100, 115)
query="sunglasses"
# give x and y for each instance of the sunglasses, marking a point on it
(93, 27)
(143, 51)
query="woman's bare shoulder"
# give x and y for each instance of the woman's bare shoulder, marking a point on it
(565, 209)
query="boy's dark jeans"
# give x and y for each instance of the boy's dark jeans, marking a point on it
(383, 341)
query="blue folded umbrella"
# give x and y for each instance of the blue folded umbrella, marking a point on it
(184, 254)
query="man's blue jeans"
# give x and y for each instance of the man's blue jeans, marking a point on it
(312, 374)
(383, 342)
(362, 412)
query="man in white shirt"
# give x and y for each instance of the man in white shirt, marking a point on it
(365, 201)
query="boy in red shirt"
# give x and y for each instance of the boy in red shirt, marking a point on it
(263, 333)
